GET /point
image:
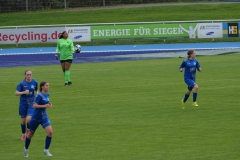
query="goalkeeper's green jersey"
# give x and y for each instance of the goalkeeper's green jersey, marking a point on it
(66, 48)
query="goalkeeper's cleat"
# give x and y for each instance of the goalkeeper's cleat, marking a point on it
(25, 153)
(69, 83)
(66, 84)
(183, 104)
(195, 104)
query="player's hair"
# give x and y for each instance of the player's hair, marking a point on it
(190, 52)
(42, 84)
(26, 73)
(61, 36)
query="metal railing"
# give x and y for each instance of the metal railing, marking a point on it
(32, 5)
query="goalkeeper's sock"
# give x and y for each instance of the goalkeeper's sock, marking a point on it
(185, 97)
(194, 96)
(67, 76)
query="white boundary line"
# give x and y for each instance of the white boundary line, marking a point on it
(143, 50)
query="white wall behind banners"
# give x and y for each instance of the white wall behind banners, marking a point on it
(210, 30)
(79, 34)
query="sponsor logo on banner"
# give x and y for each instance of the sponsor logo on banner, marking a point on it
(210, 30)
(78, 34)
(30, 35)
(144, 31)
(232, 29)
(209, 33)
(78, 37)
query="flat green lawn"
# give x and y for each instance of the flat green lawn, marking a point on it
(145, 14)
(130, 110)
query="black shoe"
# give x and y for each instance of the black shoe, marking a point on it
(66, 84)
(69, 83)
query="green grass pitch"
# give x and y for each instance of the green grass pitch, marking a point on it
(130, 110)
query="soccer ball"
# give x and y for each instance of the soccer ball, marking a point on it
(78, 48)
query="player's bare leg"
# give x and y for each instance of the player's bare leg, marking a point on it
(48, 140)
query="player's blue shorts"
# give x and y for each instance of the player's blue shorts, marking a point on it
(25, 110)
(34, 123)
(190, 83)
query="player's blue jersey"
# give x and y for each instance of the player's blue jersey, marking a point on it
(190, 66)
(23, 86)
(40, 113)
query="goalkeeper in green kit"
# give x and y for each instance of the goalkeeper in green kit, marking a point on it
(66, 48)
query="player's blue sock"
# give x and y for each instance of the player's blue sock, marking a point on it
(23, 126)
(186, 97)
(194, 96)
(48, 142)
(27, 142)
(27, 125)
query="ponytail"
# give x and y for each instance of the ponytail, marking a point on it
(41, 85)
(190, 52)
(61, 36)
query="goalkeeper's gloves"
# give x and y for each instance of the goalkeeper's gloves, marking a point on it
(56, 56)
(77, 51)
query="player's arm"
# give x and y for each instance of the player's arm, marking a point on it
(35, 105)
(19, 91)
(72, 47)
(198, 67)
(182, 66)
(36, 88)
(57, 51)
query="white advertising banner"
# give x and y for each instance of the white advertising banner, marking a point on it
(210, 30)
(79, 34)
(30, 35)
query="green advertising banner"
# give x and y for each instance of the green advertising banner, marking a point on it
(145, 31)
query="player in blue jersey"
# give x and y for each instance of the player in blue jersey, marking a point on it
(40, 116)
(26, 89)
(191, 65)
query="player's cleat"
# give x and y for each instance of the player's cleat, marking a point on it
(46, 152)
(25, 153)
(183, 104)
(66, 84)
(69, 83)
(23, 137)
(195, 104)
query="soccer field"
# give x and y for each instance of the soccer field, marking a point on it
(130, 110)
